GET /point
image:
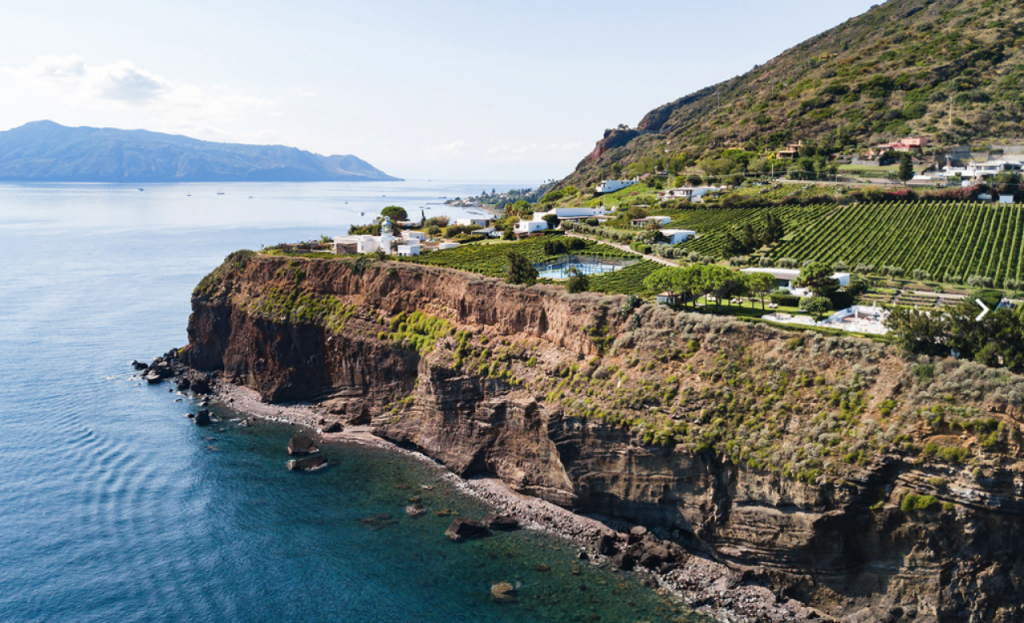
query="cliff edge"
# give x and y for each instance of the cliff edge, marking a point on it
(829, 470)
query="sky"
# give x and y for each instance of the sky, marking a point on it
(445, 89)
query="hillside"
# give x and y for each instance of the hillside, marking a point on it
(43, 151)
(948, 70)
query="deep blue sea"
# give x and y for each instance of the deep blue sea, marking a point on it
(114, 508)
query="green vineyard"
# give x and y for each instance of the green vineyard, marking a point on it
(950, 241)
(711, 224)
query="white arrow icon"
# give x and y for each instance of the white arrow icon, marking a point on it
(982, 314)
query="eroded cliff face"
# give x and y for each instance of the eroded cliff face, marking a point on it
(709, 431)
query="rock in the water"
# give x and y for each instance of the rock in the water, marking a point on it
(138, 365)
(501, 522)
(624, 561)
(311, 464)
(300, 444)
(190, 415)
(184, 384)
(465, 529)
(202, 418)
(200, 385)
(415, 510)
(503, 591)
(607, 545)
(153, 378)
(245, 423)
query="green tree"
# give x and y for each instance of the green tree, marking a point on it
(552, 221)
(694, 180)
(761, 285)
(817, 305)
(509, 232)
(906, 170)
(817, 277)
(397, 213)
(721, 282)
(519, 269)
(578, 282)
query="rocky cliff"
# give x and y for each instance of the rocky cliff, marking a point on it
(826, 469)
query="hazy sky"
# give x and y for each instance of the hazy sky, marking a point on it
(441, 89)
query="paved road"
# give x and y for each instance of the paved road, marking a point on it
(624, 247)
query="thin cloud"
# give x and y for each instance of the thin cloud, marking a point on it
(449, 148)
(178, 104)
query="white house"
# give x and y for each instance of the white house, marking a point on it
(410, 249)
(610, 186)
(786, 277)
(414, 235)
(692, 193)
(675, 236)
(369, 244)
(979, 170)
(1006, 199)
(647, 220)
(448, 245)
(528, 227)
(473, 222)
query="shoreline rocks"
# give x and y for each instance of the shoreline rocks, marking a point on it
(461, 529)
(301, 444)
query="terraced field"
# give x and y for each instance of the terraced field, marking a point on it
(948, 240)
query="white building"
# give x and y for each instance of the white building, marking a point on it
(448, 245)
(473, 222)
(786, 276)
(979, 170)
(528, 227)
(610, 186)
(1006, 199)
(370, 244)
(410, 249)
(647, 220)
(675, 236)
(694, 193)
(414, 235)
(487, 231)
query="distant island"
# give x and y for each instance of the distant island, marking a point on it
(44, 151)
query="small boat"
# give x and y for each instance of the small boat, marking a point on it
(189, 195)
(220, 193)
(250, 196)
(141, 189)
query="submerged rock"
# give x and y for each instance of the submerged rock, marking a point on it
(465, 529)
(300, 444)
(503, 591)
(311, 464)
(501, 522)
(415, 510)
(202, 418)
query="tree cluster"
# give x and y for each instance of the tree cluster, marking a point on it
(692, 282)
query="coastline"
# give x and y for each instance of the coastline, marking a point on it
(707, 587)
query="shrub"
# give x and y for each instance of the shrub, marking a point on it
(787, 262)
(519, 270)
(578, 282)
(785, 300)
(914, 502)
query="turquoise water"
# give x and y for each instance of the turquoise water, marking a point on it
(586, 265)
(114, 508)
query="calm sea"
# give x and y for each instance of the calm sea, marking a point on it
(114, 509)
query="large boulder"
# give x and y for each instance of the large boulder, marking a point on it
(637, 534)
(184, 384)
(332, 427)
(138, 365)
(607, 545)
(653, 557)
(624, 561)
(300, 444)
(461, 529)
(310, 464)
(200, 385)
(202, 418)
(501, 522)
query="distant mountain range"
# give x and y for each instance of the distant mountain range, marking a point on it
(44, 151)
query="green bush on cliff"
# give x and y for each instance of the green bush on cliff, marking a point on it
(417, 331)
(915, 502)
(297, 307)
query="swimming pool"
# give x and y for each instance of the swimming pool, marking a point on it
(587, 265)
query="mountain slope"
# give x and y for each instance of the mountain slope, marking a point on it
(43, 151)
(949, 70)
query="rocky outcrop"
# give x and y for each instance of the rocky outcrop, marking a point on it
(553, 394)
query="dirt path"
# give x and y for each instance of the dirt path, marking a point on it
(624, 247)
